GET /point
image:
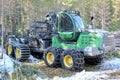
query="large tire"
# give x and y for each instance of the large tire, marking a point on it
(94, 60)
(22, 52)
(72, 59)
(52, 57)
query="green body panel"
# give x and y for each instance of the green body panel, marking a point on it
(84, 40)
(89, 39)
(56, 42)
(66, 35)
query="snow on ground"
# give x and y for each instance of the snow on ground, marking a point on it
(32, 59)
(87, 76)
(6, 64)
(84, 75)
(110, 64)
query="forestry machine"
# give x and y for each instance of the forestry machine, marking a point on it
(63, 41)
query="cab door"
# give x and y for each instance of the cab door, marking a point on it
(65, 26)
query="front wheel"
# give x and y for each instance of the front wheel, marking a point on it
(52, 57)
(72, 60)
(22, 52)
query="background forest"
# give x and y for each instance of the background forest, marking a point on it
(21, 13)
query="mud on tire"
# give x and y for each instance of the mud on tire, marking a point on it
(52, 56)
(77, 57)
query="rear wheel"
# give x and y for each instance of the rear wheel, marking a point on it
(52, 57)
(22, 52)
(10, 50)
(18, 53)
(72, 60)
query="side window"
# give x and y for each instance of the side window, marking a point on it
(66, 24)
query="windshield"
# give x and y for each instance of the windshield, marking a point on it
(78, 23)
(66, 24)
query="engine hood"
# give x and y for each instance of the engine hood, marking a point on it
(108, 38)
(98, 31)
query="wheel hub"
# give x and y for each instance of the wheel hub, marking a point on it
(18, 53)
(9, 49)
(68, 61)
(50, 58)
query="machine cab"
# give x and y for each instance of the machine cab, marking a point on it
(69, 25)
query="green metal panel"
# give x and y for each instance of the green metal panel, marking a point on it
(66, 35)
(89, 39)
(56, 42)
(84, 40)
